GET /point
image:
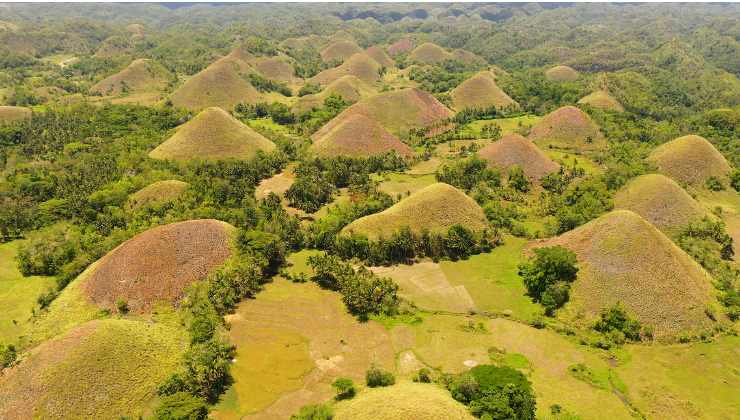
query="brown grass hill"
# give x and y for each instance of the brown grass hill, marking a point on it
(340, 50)
(213, 134)
(659, 200)
(276, 68)
(11, 114)
(221, 84)
(107, 368)
(358, 136)
(468, 57)
(603, 100)
(113, 46)
(158, 264)
(401, 46)
(429, 53)
(136, 30)
(480, 91)
(568, 128)
(397, 111)
(513, 149)
(561, 74)
(360, 65)
(157, 193)
(623, 258)
(141, 75)
(377, 54)
(349, 87)
(436, 207)
(405, 400)
(689, 159)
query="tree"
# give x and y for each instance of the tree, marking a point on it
(518, 180)
(495, 392)
(616, 322)
(181, 406)
(344, 387)
(547, 276)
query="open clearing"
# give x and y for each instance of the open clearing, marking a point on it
(394, 183)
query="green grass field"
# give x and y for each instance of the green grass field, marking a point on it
(17, 294)
(402, 183)
(508, 125)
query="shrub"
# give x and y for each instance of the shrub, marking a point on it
(344, 387)
(547, 276)
(121, 306)
(376, 377)
(735, 179)
(517, 179)
(7, 355)
(314, 412)
(494, 392)
(468, 173)
(181, 406)
(424, 375)
(714, 184)
(616, 323)
(309, 89)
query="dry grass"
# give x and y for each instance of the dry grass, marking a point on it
(480, 91)
(405, 400)
(401, 46)
(359, 65)
(141, 75)
(156, 193)
(513, 149)
(221, 84)
(603, 100)
(397, 111)
(623, 258)
(660, 201)
(358, 136)
(436, 208)
(212, 134)
(349, 87)
(429, 53)
(158, 264)
(101, 369)
(11, 114)
(114, 46)
(569, 128)
(468, 57)
(277, 184)
(276, 68)
(561, 74)
(340, 50)
(690, 159)
(136, 29)
(377, 54)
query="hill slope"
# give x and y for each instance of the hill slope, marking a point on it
(436, 208)
(429, 53)
(340, 50)
(659, 200)
(349, 87)
(11, 114)
(377, 54)
(690, 159)
(513, 149)
(156, 193)
(401, 46)
(567, 127)
(480, 91)
(212, 134)
(603, 100)
(101, 369)
(141, 75)
(561, 74)
(276, 68)
(358, 136)
(359, 65)
(623, 258)
(397, 111)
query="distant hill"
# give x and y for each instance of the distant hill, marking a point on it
(401, 46)
(660, 201)
(113, 47)
(10, 114)
(561, 74)
(436, 207)
(623, 258)
(377, 54)
(567, 127)
(158, 264)
(359, 65)
(480, 91)
(429, 53)
(513, 149)
(603, 100)
(156, 193)
(358, 136)
(277, 68)
(212, 134)
(340, 50)
(397, 111)
(690, 159)
(141, 75)
(349, 87)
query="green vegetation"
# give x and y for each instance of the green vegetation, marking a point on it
(344, 388)
(494, 392)
(376, 377)
(548, 275)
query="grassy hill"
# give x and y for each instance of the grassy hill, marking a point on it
(660, 201)
(359, 65)
(276, 68)
(377, 54)
(401, 46)
(397, 111)
(101, 369)
(561, 74)
(156, 193)
(480, 91)
(212, 134)
(221, 84)
(689, 159)
(603, 100)
(513, 149)
(340, 50)
(436, 208)
(349, 87)
(429, 53)
(568, 128)
(358, 136)
(405, 400)
(10, 114)
(158, 264)
(141, 75)
(623, 258)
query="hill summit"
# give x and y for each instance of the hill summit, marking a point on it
(481, 92)
(603, 100)
(141, 75)
(212, 134)
(429, 53)
(358, 136)
(359, 65)
(349, 87)
(513, 149)
(690, 159)
(567, 127)
(561, 74)
(340, 50)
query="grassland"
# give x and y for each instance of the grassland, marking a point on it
(508, 125)
(404, 184)
(17, 294)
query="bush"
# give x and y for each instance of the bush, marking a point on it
(547, 276)
(517, 179)
(121, 306)
(468, 173)
(617, 324)
(344, 387)
(494, 392)
(735, 179)
(376, 377)
(424, 375)
(714, 184)
(309, 89)
(314, 412)
(181, 406)
(7, 355)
